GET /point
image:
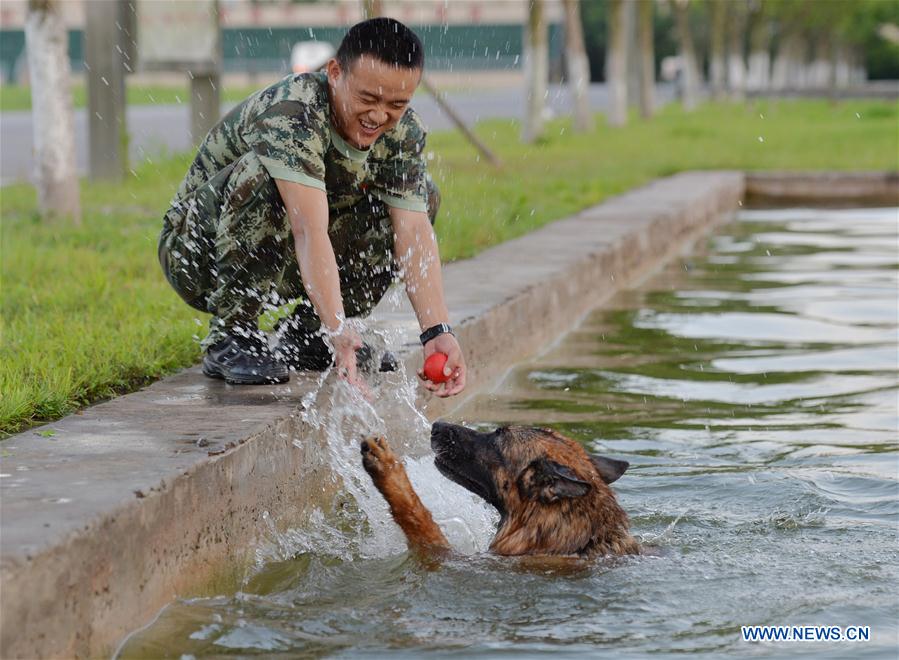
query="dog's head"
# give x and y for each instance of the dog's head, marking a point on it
(552, 495)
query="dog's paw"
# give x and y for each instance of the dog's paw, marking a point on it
(377, 456)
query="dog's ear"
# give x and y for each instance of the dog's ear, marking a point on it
(547, 481)
(610, 469)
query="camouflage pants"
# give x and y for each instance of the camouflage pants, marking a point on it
(230, 251)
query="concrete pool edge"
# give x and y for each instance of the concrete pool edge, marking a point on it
(821, 188)
(197, 464)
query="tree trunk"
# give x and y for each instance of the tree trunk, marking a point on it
(799, 63)
(832, 69)
(536, 72)
(51, 102)
(736, 61)
(689, 69)
(647, 59)
(789, 62)
(633, 52)
(841, 67)
(758, 77)
(859, 75)
(779, 67)
(616, 63)
(372, 8)
(718, 51)
(821, 69)
(578, 66)
(104, 58)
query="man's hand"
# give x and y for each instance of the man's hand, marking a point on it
(346, 343)
(454, 368)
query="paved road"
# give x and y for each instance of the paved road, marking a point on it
(159, 129)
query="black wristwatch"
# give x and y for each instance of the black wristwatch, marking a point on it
(434, 331)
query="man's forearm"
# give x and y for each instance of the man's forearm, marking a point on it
(418, 256)
(321, 279)
(416, 252)
(307, 209)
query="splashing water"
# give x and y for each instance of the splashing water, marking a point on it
(336, 417)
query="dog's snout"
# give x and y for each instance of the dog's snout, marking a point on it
(440, 427)
(446, 433)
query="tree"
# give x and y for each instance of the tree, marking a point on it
(736, 62)
(56, 176)
(372, 8)
(595, 16)
(877, 33)
(616, 63)
(578, 66)
(536, 71)
(758, 76)
(717, 50)
(788, 72)
(647, 58)
(690, 82)
(105, 57)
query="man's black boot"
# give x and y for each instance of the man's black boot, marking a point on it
(308, 351)
(302, 351)
(244, 361)
(365, 360)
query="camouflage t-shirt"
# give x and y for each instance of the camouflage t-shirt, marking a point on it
(288, 127)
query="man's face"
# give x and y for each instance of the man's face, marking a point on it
(369, 98)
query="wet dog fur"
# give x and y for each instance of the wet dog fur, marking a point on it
(553, 497)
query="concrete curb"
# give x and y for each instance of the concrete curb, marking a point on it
(162, 492)
(839, 188)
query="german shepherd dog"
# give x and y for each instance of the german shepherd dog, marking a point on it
(553, 497)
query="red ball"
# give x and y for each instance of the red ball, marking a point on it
(434, 368)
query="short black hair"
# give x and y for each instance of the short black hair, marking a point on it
(385, 39)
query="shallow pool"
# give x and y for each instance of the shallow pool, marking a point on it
(753, 388)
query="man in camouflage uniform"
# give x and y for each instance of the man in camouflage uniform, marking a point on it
(313, 189)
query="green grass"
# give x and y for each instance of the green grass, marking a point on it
(86, 313)
(18, 97)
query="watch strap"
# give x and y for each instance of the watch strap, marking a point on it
(434, 331)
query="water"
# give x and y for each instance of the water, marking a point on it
(752, 387)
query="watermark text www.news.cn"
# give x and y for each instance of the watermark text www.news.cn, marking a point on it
(805, 633)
